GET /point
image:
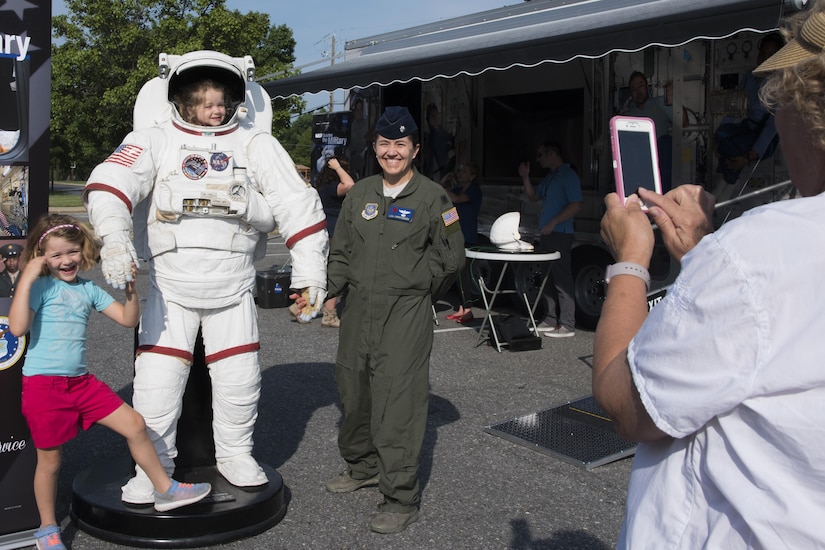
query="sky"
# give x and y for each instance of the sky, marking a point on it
(314, 22)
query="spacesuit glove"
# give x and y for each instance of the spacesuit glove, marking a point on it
(314, 297)
(116, 258)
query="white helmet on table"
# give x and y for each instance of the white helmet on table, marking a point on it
(505, 234)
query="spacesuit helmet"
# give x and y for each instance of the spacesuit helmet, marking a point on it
(232, 73)
(505, 235)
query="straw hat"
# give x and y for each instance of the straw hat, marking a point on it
(808, 43)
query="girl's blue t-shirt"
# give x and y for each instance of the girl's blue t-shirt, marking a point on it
(57, 338)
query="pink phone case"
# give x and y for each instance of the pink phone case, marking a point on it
(615, 123)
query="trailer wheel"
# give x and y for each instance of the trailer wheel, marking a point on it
(589, 265)
(527, 277)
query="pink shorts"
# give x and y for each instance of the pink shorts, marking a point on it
(55, 407)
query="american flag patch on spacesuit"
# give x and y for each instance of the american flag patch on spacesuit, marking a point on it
(125, 155)
(450, 216)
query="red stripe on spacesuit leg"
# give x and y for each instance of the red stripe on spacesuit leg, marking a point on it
(237, 350)
(162, 350)
(109, 189)
(306, 232)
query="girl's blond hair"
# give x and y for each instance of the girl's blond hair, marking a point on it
(65, 227)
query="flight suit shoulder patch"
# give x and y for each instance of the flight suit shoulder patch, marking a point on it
(450, 220)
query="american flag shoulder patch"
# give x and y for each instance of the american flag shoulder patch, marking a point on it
(125, 155)
(449, 217)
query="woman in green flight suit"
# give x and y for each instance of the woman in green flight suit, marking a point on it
(397, 245)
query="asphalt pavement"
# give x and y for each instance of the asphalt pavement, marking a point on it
(479, 491)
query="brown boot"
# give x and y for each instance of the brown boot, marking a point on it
(330, 319)
(345, 483)
(389, 522)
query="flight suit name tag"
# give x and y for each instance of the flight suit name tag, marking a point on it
(401, 214)
(370, 211)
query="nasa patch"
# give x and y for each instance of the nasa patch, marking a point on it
(219, 161)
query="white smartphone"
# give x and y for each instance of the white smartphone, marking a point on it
(635, 158)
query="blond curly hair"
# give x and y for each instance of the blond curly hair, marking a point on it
(800, 86)
(65, 227)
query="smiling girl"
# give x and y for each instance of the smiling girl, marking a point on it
(203, 103)
(59, 395)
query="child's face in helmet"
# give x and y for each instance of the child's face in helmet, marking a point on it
(212, 110)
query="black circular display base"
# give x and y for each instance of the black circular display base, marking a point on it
(229, 513)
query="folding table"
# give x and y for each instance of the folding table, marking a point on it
(507, 257)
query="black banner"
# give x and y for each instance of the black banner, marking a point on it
(330, 137)
(18, 456)
(25, 87)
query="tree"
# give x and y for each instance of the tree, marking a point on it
(297, 139)
(107, 49)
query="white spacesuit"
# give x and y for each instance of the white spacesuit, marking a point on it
(203, 198)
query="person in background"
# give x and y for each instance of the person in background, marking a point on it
(8, 277)
(642, 105)
(60, 397)
(739, 143)
(465, 192)
(660, 110)
(397, 246)
(561, 194)
(722, 383)
(359, 140)
(334, 182)
(438, 145)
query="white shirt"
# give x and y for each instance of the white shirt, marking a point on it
(731, 365)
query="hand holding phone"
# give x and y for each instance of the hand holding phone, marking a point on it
(635, 157)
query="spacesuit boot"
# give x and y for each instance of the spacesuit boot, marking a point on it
(242, 471)
(139, 489)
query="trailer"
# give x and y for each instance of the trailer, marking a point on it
(502, 81)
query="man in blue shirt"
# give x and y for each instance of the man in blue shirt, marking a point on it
(561, 194)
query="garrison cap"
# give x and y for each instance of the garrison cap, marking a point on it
(11, 250)
(395, 123)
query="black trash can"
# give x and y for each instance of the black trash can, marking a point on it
(272, 287)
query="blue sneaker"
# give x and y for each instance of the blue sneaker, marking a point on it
(181, 494)
(48, 538)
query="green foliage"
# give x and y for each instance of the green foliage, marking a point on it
(297, 138)
(107, 49)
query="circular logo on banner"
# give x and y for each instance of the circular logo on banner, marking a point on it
(194, 167)
(219, 162)
(11, 347)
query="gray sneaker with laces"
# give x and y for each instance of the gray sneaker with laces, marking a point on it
(181, 494)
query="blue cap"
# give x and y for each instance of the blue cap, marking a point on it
(395, 123)
(11, 250)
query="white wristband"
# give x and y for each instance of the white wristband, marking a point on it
(627, 268)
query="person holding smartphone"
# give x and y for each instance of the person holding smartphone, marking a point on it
(722, 383)
(561, 194)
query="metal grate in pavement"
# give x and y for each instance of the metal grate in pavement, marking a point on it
(578, 432)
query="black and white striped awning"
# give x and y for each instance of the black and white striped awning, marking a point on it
(529, 34)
